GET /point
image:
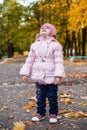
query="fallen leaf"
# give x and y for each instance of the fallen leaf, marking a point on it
(29, 123)
(10, 117)
(65, 94)
(76, 115)
(83, 104)
(85, 97)
(70, 83)
(80, 114)
(33, 98)
(34, 113)
(18, 96)
(67, 101)
(58, 117)
(5, 83)
(28, 111)
(26, 107)
(62, 111)
(5, 107)
(70, 114)
(19, 126)
(78, 75)
(47, 102)
(28, 92)
(30, 106)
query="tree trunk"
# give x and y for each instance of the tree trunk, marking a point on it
(83, 41)
(79, 43)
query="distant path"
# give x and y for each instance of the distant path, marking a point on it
(5, 60)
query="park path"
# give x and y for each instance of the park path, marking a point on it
(16, 96)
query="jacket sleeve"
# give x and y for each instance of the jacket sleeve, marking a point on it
(27, 67)
(59, 62)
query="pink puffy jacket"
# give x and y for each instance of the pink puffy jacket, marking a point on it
(45, 61)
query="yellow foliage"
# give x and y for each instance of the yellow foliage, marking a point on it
(25, 53)
(78, 15)
(16, 53)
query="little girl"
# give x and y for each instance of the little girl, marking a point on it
(45, 66)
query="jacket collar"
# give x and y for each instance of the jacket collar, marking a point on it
(48, 38)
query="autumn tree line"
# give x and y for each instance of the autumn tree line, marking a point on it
(19, 24)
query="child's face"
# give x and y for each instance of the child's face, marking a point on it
(45, 31)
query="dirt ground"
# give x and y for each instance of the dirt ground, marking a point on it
(18, 102)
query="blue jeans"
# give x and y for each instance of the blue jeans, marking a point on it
(49, 91)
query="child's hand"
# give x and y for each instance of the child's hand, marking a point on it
(57, 80)
(25, 79)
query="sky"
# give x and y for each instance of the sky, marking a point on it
(1, 1)
(24, 2)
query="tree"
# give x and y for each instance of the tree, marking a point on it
(14, 29)
(78, 22)
(78, 15)
(55, 12)
(22, 23)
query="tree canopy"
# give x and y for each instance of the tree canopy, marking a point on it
(78, 15)
(19, 24)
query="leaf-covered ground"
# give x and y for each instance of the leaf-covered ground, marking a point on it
(18, 102)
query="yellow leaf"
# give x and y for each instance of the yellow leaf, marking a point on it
(33, 98)
(84, 97)
(63, 111)
(28, 111)
(47, 102)
(18, 96)
(65, 94)
(83, 103)
(80, 114)
(26, 107)
(76, 115)
(34, 113)
(29, 123)
(67, 101)
(28, 92)
(19, 126)
(71, 114)
(30, 106)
